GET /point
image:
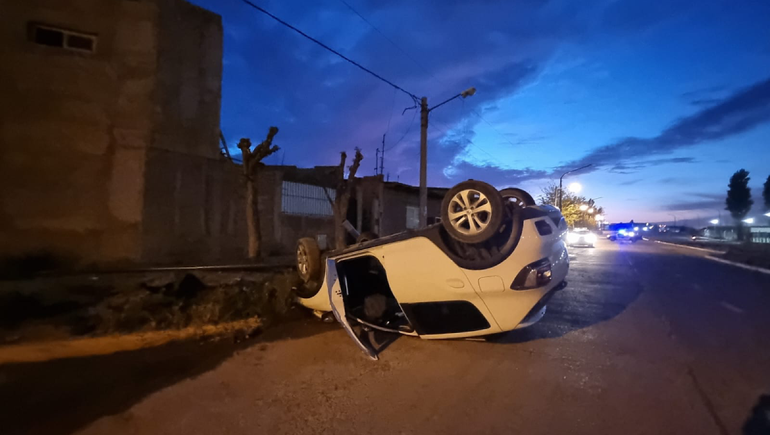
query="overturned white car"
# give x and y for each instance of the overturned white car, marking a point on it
(490, 266)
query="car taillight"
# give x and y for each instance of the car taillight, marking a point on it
(535, 275)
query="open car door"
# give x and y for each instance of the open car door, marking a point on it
(338, 308)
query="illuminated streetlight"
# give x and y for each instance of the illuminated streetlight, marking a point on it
(714, 221)
(749, 220)
(590, 210)
(767, 214)
(583, 207)
(599, 217)
(575, 187)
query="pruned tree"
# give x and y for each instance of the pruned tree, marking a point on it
(738, 201)
(252, 161)
(343, 191)
(766, 194)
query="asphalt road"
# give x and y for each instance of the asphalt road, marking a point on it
(646, 339)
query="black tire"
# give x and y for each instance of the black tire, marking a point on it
(367, 236)
(308, 256)
(471, 225)
(517, 197)
(613, 238)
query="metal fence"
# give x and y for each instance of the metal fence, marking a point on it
(306, 200)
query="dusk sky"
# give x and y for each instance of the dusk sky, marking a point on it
(667, 99)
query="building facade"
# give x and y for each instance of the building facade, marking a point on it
(109, 125)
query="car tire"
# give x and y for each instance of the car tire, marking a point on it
(308, 256)
(613, 238)
(367, 236)
(517, 197)
(472, 211)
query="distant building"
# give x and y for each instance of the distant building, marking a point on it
(109, 122)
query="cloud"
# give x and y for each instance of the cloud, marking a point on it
(737, 113)
(707, 202)
(494, 175)
(631, 182)
(629, 168)
(323, 104)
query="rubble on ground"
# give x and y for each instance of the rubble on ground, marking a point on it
(93, 305)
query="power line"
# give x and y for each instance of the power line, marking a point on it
(413, 96)
(384, 36)
(416, 62)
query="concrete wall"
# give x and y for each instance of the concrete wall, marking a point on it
(280, 231)
(193, 207)
(89, 141)
(395, 201)
(73, 129)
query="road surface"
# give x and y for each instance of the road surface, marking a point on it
(646, 339)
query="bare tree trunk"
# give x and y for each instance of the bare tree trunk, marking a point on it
(252, 160)
(342, 201)
(252, 212)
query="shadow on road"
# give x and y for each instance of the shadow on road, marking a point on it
(61, 396)
(597, 292)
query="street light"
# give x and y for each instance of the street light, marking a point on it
(583, 207)
(749, 220)
(767, 214)
(575, 187)
(714, 221)
(562, 177)
(424, 111)
(590, 210)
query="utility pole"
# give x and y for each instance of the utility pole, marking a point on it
(423, 220)
(376, 159)
(424, 111)
(382, 156)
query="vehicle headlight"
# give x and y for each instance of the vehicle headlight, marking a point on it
(631, 234)
(591, 238)
(572, 237)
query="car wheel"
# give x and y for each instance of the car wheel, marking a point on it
(472, 211)
(517, 197)
(613, 238)
(309, 267)
(367, 236)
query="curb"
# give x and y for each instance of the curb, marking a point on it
(741, 265)
(712, 251)
(82, 347)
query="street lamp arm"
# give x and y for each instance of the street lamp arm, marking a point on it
(442, 103)
(466, 93)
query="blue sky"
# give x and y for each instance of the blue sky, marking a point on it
(665, 99)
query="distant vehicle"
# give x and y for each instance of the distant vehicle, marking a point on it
(629, 232)
(581, 237)
(489, 266)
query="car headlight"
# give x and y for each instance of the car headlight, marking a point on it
(631, 234)
(591, 238)
(572, 237)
